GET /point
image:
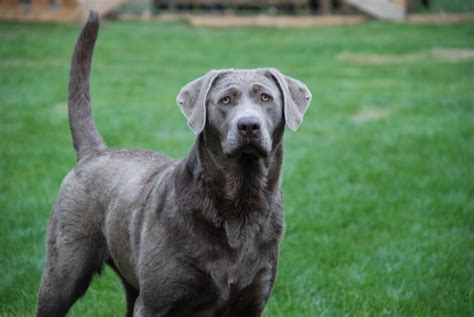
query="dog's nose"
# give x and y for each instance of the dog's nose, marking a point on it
(248, 125)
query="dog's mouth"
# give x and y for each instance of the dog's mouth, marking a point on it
(253, 149)
(249, 149)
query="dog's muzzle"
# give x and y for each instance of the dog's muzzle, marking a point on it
(250, 137)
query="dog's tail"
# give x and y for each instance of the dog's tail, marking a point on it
(85, 137)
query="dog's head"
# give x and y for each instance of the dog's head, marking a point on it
(244, 108)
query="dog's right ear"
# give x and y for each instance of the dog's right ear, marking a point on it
(192, 100)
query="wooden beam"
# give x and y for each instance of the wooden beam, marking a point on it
(40, 3)
(11, 3)
(272, 21)
(68, 3)
(346, 8)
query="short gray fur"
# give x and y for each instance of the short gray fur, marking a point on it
(193, 237)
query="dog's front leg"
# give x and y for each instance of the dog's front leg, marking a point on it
(139, 309)
(252, 299)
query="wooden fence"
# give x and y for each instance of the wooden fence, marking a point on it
(73, 9)
(315, 6)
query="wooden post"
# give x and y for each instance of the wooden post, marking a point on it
(325, 6)
(346, 8)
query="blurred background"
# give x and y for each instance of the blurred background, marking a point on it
(378, 180)
(147, 9)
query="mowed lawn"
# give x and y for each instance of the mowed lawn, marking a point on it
(378, 181)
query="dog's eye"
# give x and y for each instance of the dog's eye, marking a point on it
(225, 100)
(265, 97)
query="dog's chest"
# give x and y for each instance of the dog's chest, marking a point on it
(230, 275)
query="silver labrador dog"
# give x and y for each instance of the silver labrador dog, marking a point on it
(193, 237)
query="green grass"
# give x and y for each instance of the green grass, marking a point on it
(451, 6)
(379, 211)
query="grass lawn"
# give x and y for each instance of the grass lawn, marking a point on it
(378, 181)
(451, 6)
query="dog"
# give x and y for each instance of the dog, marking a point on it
(192, 237)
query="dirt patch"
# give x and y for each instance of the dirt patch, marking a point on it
(441, 18)
(435, 54)
(377, 59)
(367, 114)
(452, 55)
(273, 21)
(60, 107)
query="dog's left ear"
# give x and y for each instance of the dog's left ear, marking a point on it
(192, 100)
(296, 98)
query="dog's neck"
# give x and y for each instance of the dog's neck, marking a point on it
(237, 191)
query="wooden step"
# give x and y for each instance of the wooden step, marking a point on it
(382, 9)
